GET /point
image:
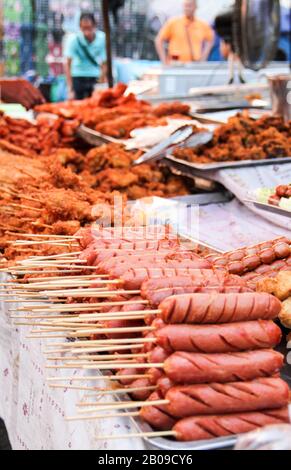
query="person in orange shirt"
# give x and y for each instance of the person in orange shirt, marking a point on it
(189, 39)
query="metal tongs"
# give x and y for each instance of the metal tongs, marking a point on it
(180, 136)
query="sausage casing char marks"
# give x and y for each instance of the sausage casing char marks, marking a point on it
(219, 308)
(261, 394)
(211, 427)
(223, 338)
(222, 368)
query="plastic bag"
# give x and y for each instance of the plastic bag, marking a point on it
(269, 438)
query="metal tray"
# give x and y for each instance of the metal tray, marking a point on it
(269, 208)
(223, 443)
(185, 166)
(204, 199)
(96, 138)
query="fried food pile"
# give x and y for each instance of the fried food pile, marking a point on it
(109, 168)
(42, 197)
(280, 286)
(243, 138)
(116, 114)
(22, 137)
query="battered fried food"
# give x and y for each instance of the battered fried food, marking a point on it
(280, 286)
(243, 138)
(285, 315)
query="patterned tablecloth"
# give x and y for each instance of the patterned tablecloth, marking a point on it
(34, 413)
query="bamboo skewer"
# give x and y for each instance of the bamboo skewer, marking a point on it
(114, 347)
(124, 405)
(76, 323)
(40, 235)
(111, 366)
(73, 307)
(22, 206)
(118, 391)
(91, 343)
(114, 378)
(138, 434)
(72, 254)
(45, 242)
(98, 329)
(72, 283)
(98, 357)
(83, 333)
(81, 277)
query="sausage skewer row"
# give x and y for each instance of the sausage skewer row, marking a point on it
(249, 259)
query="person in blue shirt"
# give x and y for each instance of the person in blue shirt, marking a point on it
(86, 58)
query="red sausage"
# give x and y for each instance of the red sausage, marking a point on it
(118, 271)
(210, 427)
(158, 355)
(282, 250)
(140, 395)
(219, 308)
(157, 416)
(236, 397)
(164, 385)
(222, 368)
(232, 337)
(123, 372)
(133, 278)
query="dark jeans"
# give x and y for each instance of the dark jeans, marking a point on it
(83, 87)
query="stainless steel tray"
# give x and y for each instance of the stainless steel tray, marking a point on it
(204, 199)
(269, 208)
(185, 166)
(162, 443)
(96, 138)
(223, 443)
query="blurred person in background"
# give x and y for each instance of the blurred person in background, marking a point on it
(86, 58)
(18, 90)
(189, 39)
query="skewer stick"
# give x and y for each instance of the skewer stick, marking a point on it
(17, 272)
(98, 357)
(81, 277)
(114, 347)
(102, 318)
(98, 329)
(91, 343)
(43, 317)
(60, 289)
(56, 327)
(104, 331)
(74, 387)
(138, 434)
(115, 391)
(83, 293)
(22, 206)
(72, 254)
(40, 235)
(74, 307)
(124, 405)
(68, 241)
(112, 366)
(98, 377)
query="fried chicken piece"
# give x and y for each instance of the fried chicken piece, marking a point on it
(68, 227)
(110, 179)
(280, 286)
(285, 314)
(168, 109)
